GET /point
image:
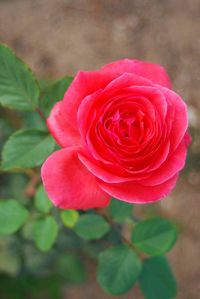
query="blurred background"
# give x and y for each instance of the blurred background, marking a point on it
(60, 37)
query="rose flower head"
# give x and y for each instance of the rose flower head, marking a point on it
(123, 134)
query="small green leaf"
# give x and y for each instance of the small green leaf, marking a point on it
(157, 279)
(45, 233)
(41, 200)
(91, 227)
(26, 149)
(69, 217)
(18, 86)
(118, 269)
(154, 236)
(12, 216)
(54, 93)
(120, 210)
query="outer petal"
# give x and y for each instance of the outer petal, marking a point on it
(154, 72)
(180, 118)
(136, 193)
(169, 168)
(187, 139)
(101, 172)
(61, 129)
(69, 184)
(84, 84)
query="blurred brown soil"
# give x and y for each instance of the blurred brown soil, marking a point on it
(59, 37)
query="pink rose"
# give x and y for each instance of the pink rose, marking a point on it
(123, 134)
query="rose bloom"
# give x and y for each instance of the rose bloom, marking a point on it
(123, 134)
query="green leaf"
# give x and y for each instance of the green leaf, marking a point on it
(91, 227)
(41, 200)
(32, 120)
(118, 269)
(54, 93)
(157, 280)
(26, 149)
(5, 130)
(18, 86)
(12, 216)
(154, 236)
(69, 217)
(45, 233)
(120, 210)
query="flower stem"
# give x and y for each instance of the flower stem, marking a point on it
(105, 215)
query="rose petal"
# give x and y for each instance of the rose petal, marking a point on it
(174, 163)
(60, 128)
(99, 170)
(84, 84)
(126, 80)
(180, 120)
(187, 139)
(154, 72)
(69, 184)
(136, 193)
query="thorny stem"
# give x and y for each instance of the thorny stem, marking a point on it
(31, 186)
(41, 114)
(102, 213)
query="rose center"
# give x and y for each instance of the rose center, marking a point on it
(126, 126)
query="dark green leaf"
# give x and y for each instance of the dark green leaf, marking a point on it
(91, 227)
(18, 87)
(54, 93)
(71, 268)
(27, 229)
(118, 269)
(157, 280)
(69, 217)
(120, 210)
(16, 183)
(12, 216)
(41, 200)
(154, 236)
(28, 148)
(45, 233)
